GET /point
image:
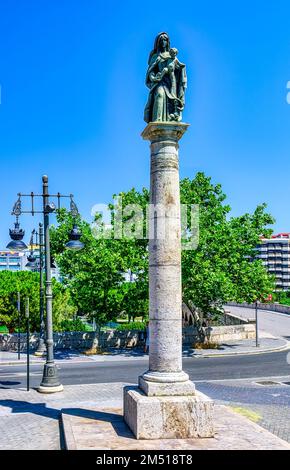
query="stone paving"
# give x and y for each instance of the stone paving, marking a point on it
(27, 431)
(29, 420)
(105, 429)
(270, 403)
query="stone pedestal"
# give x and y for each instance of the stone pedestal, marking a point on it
(166, 404)
(168, 417)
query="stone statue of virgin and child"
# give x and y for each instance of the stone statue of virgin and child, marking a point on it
(166, 79)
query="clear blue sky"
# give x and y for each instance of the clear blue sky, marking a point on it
(72, 79)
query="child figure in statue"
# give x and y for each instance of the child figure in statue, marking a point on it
(174, 64)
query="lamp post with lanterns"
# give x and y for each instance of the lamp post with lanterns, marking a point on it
(34, 266)
(50, 381)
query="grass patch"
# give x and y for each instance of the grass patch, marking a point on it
(131, 326)
(255, 417)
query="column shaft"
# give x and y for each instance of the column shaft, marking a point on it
(165, 294)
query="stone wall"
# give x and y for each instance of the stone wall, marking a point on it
(75, 340)
(125, 339)
(219, 334)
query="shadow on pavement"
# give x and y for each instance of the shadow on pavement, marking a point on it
(41, 409)
(61, 354)
(125, 352)
(8, 384)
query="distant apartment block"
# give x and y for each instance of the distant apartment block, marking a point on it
(12, 260)
(275, 254)
(17, 261)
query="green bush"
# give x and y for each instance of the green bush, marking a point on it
(72, 325)
(282, 297)
(131, 326)
(3, 329)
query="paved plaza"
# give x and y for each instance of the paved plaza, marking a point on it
(105, 429)
(29, 420)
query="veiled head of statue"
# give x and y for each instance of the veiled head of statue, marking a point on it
(162, 42)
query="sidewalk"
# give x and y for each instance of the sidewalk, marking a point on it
(31, 421)
(61, 356)
(267, 345)
(245, 347)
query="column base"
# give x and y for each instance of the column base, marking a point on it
(166, 389)
(168, 417)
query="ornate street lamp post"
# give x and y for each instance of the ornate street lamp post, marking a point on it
(34, 266)
(50, 382)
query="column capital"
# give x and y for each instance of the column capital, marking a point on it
(160, 131)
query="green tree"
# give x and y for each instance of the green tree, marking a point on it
(63, 308)
(133, 249)
(221, 268)
(94, 274)
(27, 283)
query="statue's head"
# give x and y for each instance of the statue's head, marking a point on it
(162, 42)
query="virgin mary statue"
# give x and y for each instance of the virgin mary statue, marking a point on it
(166, 79)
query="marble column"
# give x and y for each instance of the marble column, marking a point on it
(165, 375)
(166, 404)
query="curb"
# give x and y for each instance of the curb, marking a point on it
(286, 347)
(23, 363)
(67, 432)
(20, 363)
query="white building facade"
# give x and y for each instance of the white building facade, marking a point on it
(275, 255)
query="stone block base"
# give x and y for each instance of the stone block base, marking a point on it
(174, 417)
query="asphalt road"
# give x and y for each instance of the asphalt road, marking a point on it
(277, 324)
(199, 369)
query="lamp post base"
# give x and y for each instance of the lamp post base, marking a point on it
(50, 381)
(42, 389)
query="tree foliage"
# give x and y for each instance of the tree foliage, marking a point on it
(27, 283)
(221, 268)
